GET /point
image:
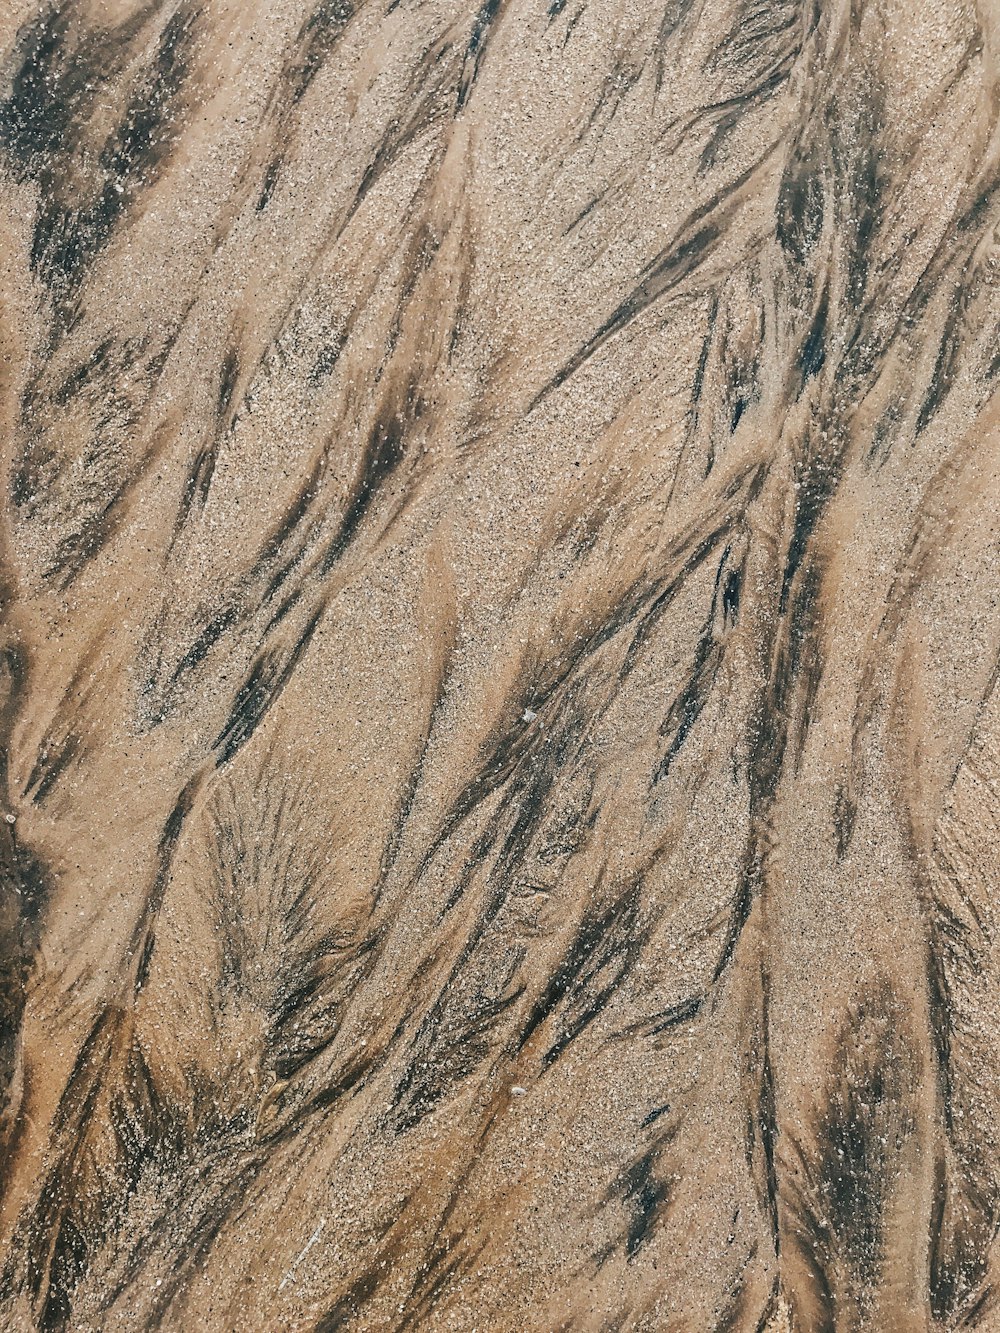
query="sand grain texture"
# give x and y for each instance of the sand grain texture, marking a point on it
(499, 727)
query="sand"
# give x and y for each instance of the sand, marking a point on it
(499, 726)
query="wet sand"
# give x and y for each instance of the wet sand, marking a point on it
(499, 725)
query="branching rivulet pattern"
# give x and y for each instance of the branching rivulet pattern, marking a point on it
(500, 739)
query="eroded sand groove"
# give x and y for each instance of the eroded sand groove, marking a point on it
(500, 732)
